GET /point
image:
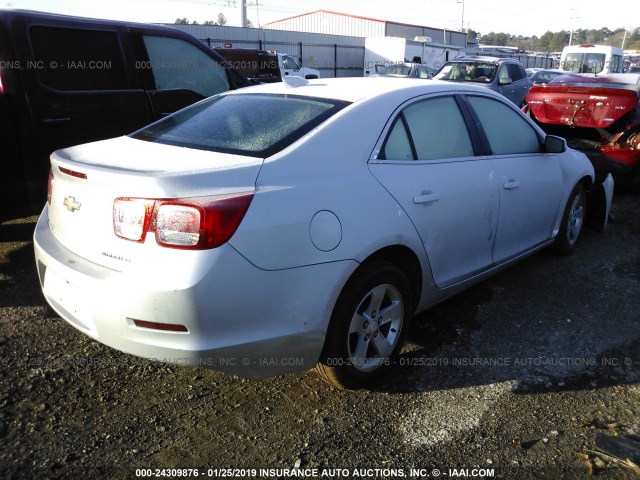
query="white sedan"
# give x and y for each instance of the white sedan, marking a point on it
(270, 229)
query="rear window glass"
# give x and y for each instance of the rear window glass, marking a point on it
(245, 124)
(584, 62)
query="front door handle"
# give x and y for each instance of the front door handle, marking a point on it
(511, 184)
(430, 198)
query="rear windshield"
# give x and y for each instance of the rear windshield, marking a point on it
(584, 62)
(257, 125)
(472, 71)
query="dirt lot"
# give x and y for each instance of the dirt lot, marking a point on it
(527, 375)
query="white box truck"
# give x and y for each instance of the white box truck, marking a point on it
(380, 52)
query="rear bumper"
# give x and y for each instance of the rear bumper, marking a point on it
(240, 319)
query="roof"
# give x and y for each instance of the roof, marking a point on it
(354, 89)
(326, 11)
(483, 59)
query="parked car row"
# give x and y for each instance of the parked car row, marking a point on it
(303, 220)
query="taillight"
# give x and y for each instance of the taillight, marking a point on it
(189, 223)
(50, 186)
(132, 217)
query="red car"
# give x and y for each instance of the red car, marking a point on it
(598, 115)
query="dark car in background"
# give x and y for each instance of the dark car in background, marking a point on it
(69, 80)
(597, 114)
(540, 77)
(503, 75)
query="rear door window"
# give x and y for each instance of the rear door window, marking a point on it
(177, 64)
(70, 59)
(507, 131)
(431, 129)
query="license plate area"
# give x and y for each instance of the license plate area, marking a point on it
(67, 299)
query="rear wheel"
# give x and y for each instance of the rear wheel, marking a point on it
(573, 221)
(368, 326)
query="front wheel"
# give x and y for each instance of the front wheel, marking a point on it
(573, 221)
(367, 327)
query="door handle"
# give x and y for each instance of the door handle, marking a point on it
(430, 198)
(511, 184)
(56, 121)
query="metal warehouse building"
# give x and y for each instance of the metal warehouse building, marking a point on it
(333, 23)
(334, 43)
(333, 55)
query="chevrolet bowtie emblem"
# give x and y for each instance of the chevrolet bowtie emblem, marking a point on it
(71, 204)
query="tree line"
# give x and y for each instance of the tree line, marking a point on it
(556, 41)
(221, 20)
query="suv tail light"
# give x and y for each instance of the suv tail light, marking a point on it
(187, 223)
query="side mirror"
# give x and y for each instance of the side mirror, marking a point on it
(505, 81)
(553, 144)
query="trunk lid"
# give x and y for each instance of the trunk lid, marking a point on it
(88, 178)
(580, 106)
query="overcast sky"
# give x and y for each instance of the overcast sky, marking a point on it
(518, 17)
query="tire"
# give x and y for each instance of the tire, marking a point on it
(573, 221)
(361, 341)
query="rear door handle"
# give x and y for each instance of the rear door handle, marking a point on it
(511, 184)
(56, 121)
(430, 198)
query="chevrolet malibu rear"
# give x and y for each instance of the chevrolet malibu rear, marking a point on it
(133, 247)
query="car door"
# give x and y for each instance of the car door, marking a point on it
(78, 89)
(505, 83)
(290, 66)
(530, 181)
(521, 82)
(428, 164)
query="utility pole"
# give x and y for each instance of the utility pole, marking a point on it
(462, 22)
(243, 13)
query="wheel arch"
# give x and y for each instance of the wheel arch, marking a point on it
(406, 260)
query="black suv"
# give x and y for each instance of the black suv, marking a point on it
(69, 80)
(503, 75)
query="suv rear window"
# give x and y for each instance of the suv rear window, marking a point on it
(244, 124)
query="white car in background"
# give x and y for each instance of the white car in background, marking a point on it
(277, 227)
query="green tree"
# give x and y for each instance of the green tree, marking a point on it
(558, 41)
(222, 20)
(182, 21)
(633, 40)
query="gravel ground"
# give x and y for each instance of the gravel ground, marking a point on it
(526, 375)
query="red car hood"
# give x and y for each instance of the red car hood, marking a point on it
(580, 106)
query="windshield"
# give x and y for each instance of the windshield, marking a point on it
(246, 124)
(396, 70)
(479, 72)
